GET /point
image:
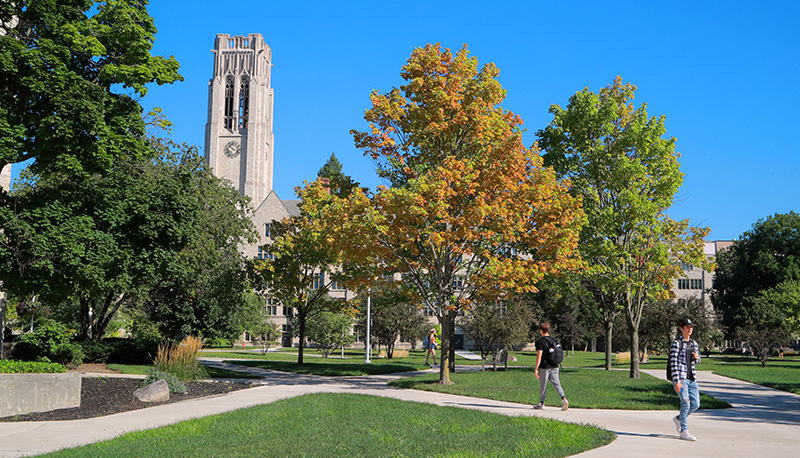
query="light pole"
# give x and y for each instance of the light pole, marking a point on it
(368, 349)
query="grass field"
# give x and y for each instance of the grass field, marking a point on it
(324, 425)
(585, 388)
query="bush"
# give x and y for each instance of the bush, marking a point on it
(175, 385)
(49, 342)
(622, 357)
(218, 342)
(96, 351)
(131, 351)
(181, 359)
(68, 353)
(9, 366)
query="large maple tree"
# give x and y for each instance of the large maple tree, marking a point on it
(470, 211)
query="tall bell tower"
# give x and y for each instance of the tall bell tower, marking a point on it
(239, 139)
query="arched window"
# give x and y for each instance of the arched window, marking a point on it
(228, 120)
(244, 102)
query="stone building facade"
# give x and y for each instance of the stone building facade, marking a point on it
(239, 141)
(696, 282)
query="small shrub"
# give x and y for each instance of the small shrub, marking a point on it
(181, 359)
(622, 357)
(48, 342)
(175, 385)
(131, 351)
(96, 351)
(68, 353)
(218, 342)
(9, 366)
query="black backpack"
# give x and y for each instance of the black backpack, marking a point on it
(553, 354)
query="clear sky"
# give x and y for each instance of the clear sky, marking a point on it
(726, 74)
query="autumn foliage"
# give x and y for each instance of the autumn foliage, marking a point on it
(470, 211)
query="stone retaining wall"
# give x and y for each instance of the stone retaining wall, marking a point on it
(28, 393)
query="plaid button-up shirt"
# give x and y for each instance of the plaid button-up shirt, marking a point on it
(677, 359)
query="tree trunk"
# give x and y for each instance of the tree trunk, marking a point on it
(634, 331)
(453, 347)
(2, 322)
(447, 323)
(301, 318)
(609, 335)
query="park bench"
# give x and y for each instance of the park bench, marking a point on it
(500, 358)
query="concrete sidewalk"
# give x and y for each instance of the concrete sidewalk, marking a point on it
(763, 422)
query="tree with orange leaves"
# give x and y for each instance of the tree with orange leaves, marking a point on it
(470, 212)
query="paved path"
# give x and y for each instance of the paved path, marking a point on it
(763, 422)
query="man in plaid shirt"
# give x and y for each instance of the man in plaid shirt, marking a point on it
(683, 355)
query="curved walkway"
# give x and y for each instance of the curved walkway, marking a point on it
(763, 422)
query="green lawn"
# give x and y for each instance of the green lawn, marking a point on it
(782, 374)
(334, 367)
(212, 371)
(323, 425)
(585, 388)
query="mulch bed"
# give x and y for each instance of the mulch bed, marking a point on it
(107, 395)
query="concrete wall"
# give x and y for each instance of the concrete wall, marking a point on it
(28, 393)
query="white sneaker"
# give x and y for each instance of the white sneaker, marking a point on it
(687, 436)
(677, 420)
(564, 404)
(539, 406)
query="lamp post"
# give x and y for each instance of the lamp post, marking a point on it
(368, 348)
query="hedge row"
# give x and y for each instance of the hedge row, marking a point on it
(119, 351)
(8, 366)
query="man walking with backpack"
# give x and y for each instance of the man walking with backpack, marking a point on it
(548, 356)
(684, 353)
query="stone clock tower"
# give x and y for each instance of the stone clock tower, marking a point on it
(239, 138)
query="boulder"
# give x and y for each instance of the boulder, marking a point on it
(154, 392)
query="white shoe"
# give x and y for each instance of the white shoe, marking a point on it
(677, 420)
(687, 436)
(564, 404)
(539, 406)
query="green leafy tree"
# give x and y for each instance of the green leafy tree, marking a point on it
(304, 263)
(394, 312)
(763, 265)
(263, 331)
(626, 174)
(340, 184)
(658, 327)
(329, 331)
(494, 326)
(109, 242)
(72, 71)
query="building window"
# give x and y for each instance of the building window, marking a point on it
(686, 266)
(319, 280)
(287, 311)
(244, 103)
(272, 306)
(458, 282)
(263, 253)
(690, 283)
(268, 226)
(228, 120)
(336, 286)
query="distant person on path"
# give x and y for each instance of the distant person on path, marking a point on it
(683, 355)
(430, 345)
(545, 370)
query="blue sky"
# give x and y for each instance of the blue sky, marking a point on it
(726, 74)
